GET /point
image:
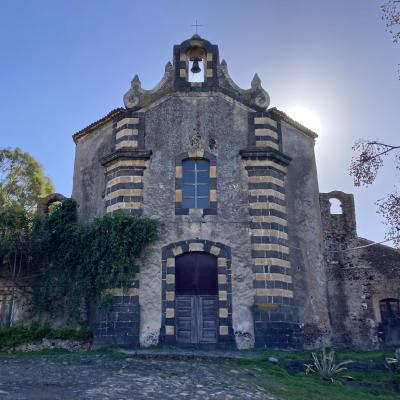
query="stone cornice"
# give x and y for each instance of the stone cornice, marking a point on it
(264, 153)
(131, 154)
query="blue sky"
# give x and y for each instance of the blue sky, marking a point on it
(65, 64)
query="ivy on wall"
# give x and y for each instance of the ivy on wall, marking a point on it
(74, 264)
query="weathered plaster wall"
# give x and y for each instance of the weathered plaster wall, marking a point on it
(306, 237)
(89, 180)
(169, 127)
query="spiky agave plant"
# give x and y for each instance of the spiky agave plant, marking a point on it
(394, 363)
(326, 367)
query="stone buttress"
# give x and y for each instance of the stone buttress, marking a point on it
(124, 169)
(274, 312)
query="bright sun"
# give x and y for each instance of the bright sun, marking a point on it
(306, 117)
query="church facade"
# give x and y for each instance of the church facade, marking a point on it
(249, 253)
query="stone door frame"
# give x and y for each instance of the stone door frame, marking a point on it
(223, 254)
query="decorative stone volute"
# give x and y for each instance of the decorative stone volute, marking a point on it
(137, 97)
(134, 94)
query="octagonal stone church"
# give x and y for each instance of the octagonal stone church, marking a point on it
(249, 252)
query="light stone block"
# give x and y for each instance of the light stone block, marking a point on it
(170, 262)
(169, 330)
(222, 295)
(178, 172)
(265, 120)
(177, 251)
(196, 247)
(127, 121)
(223, 313)
(223, 330)
(170, 296)
(178, 195)
(222, 279)
(215, 250)
(222, 262)
(170, 312)
(274, 292)
(213, 171)
(266, 132)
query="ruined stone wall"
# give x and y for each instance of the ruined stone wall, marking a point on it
(357, 278)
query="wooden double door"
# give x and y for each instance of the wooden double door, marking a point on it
(196, 301)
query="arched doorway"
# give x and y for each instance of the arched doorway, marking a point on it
(390, 325)
(196, 291)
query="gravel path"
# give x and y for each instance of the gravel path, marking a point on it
(98, 377)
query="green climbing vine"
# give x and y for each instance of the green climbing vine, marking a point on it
(74, 264)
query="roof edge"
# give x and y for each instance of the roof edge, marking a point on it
(278, 114)
(97, 124)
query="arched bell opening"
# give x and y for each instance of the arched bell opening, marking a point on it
(196, 64)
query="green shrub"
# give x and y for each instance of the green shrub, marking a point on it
(15, 335)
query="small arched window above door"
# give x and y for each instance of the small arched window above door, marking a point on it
(196, 183)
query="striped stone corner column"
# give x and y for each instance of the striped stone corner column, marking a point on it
(124, 180)
(264, 132)
(275, 318)
(129, 132)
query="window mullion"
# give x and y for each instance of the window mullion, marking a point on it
(195, 183)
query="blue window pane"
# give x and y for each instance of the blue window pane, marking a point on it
(202, 165)
(188, 203)
(203, 177)
(188, 165)
(196, 183)
(188, 190)
(203, 202)
(188, 177)
(202, 190)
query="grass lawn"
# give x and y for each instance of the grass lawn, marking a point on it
(298, 386)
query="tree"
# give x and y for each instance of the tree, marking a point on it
(370, 155)
(391, 16)
(22, 181)
(364, 168)
(14, 255)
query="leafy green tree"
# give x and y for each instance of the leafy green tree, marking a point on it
(22, 180)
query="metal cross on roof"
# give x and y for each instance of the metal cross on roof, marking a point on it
(196, 25)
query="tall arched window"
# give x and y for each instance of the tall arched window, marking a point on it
(196, 183)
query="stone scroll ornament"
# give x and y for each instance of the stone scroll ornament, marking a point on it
(256, 94)
(196, 141)
(136, 96)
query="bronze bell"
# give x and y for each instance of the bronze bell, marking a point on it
(195, 68)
